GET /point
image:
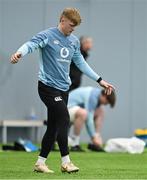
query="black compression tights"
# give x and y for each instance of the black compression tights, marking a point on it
(57, 121)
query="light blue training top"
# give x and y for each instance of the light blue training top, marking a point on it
(56, 53)
(87, 98)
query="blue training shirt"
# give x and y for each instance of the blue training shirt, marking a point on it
(56, 53)
(87, 98)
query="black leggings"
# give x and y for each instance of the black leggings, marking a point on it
(57, 121)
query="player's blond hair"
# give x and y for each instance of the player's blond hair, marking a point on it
(72, 14)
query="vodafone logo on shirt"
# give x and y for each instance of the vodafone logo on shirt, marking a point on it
(64, 52)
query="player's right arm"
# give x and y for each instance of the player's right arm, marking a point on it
(79, 61)
(38, 41)
(15, 57)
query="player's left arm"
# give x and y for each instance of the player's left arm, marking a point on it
(91, 129)
(86, 69)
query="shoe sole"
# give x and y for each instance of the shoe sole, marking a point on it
(69, 172)
(36, 171)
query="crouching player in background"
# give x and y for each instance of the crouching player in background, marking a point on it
(85, 105)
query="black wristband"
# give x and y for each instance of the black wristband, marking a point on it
(99, 79)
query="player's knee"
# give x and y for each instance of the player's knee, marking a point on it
(82, 113)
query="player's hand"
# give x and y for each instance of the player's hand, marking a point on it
(108, 87)
(15, 57)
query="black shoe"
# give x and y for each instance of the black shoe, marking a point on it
(93, 147)
(77, 148)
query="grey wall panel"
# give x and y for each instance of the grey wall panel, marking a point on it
(139, 66)
(1, 23)
(19, 24)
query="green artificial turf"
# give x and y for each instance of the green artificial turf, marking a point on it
(19, 165)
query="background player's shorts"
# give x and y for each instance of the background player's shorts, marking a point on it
(72, 112)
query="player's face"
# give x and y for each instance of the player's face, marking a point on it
(67, 26)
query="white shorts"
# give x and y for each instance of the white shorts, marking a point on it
(72, 112)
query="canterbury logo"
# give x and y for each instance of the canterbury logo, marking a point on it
(59, 98)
